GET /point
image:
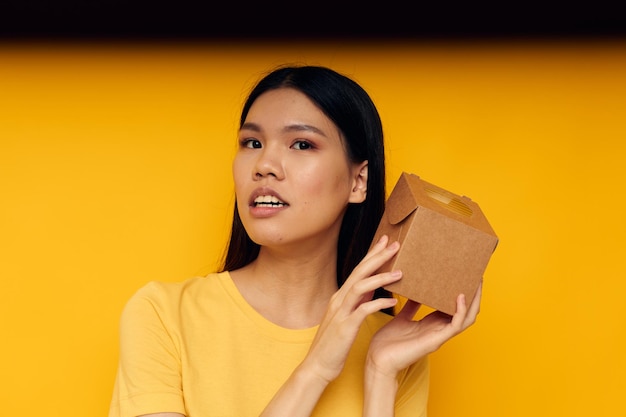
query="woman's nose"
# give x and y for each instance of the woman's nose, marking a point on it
(269, 163)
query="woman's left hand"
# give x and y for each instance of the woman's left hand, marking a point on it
(403, 341)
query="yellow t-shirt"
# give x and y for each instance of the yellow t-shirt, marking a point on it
(198, 348)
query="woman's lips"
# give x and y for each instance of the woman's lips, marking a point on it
(266, 196)
(266, 202)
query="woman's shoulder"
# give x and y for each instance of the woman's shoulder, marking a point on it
(165, 303)
(168, 293)
(155, 287)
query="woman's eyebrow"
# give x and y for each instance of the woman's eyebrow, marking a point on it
(303, 127)
(296, 127)
(250, 126)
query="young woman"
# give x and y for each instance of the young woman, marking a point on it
(294, 324)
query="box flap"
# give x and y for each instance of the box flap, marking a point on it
(412, 192)
(401, 202)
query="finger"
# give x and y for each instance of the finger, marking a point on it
(370, 307)
(379, 246)
(375, 281)
(363, 290)
(375, 259)
(409, 310)
(458, 319)
(383, 241)
(474, 307)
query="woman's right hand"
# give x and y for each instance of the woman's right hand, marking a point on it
(326, 358)
(347, 310)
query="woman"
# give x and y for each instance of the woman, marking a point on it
(294, 323)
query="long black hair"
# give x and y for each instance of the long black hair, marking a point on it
(351, 109)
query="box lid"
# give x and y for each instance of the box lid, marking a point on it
(411, 192)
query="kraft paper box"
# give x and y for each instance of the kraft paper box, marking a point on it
(446, 243)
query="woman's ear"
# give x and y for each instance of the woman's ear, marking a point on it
(359, 183)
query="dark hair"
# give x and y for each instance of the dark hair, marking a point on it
(351, 109)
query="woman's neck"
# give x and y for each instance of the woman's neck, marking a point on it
(291, 291)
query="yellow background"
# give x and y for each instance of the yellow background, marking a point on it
(115, 170)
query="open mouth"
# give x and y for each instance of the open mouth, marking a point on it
(268, 201)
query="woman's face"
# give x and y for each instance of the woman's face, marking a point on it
(293, 179)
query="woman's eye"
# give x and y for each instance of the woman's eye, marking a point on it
(302, 145)
(251, 143)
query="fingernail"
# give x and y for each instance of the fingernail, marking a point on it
(396, 273)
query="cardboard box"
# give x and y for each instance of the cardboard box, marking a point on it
(446, 243)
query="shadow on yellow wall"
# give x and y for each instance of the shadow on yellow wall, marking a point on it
(115, 170)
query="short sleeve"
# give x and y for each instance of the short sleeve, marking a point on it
(149, 377)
